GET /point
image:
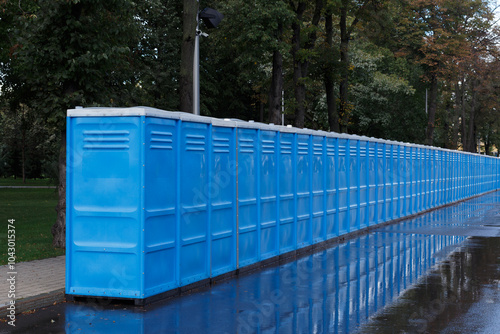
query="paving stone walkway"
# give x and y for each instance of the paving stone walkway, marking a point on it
(37, 284)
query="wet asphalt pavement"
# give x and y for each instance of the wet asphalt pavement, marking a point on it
(459, 295)
(436, 273)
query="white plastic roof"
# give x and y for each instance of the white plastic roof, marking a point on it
(153, 112)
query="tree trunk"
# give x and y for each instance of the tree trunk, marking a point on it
(331, 105)
(333, 118)
(432, 110)
(456, 117)
(471, 136)
(449, 125)
(462, 112)
(344, 63)
(300, 97)
(276, 91)
(261, 111)
(487, 145)
(298, 84)
(189, 23)
(23, 155)
(446, 131)
(300, 65)
(59, 228)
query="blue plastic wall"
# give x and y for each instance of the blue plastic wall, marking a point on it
(156, 203)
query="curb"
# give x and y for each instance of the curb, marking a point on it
(35, 302)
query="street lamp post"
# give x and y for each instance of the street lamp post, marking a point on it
(211, 18)
(196, 69)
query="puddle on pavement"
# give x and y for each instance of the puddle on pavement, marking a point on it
(460, 295)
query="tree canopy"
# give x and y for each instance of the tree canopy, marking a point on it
(423, 71)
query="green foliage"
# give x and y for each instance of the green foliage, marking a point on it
(236, 59)
(28, 145)
(74, 53)
(156, 57)
(383, 95)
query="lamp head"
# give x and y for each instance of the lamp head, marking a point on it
(211, 17)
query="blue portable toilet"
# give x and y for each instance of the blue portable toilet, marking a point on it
(159, 202)
(125, 205)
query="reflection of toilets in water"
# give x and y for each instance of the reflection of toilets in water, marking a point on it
(334, 290)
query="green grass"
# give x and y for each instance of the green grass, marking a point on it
(34, 212)
(10, 181)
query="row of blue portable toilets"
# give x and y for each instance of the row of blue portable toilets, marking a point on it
(158, 200)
